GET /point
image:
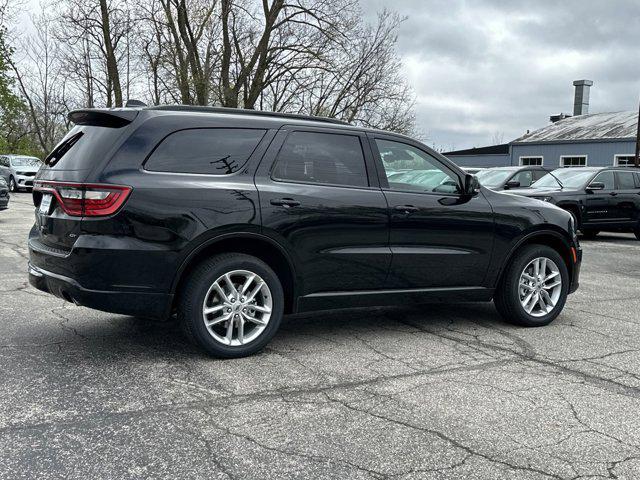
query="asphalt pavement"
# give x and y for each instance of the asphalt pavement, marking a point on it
(437, 392)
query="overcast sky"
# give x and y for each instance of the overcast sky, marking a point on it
(485, 66)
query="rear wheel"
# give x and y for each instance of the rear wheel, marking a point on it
(637, 232)
(534, 287)
(231, 305)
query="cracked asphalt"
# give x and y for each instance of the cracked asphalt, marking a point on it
(439, 392)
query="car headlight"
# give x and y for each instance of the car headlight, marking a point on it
(546, 199)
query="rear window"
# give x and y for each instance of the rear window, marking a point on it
(82, 147)
(325, 158)
(213, 151)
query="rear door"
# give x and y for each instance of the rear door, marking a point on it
(438, 237)
(320, 199)
(627, 197)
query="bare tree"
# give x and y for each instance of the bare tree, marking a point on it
(497, 138)
(42, 84)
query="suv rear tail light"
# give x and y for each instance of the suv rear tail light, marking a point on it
(85, 199)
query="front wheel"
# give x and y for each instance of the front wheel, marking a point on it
(534, 287)
(13, 186)
(637, 232)
(231, 305)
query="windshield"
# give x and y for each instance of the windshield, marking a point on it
(493, 178)
(570, 178)
(25, 162)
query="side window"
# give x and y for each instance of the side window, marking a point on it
(325, 158)
(538, 174)
(213, 151)
(525, 178)
(606, 178)
(625, 181)
(410, 169)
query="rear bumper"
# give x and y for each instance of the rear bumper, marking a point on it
(141, 304)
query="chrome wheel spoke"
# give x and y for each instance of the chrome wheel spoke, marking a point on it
(537, 297)
(255, 320)
(218, 320)
(553, 285)
(237, 308)
(214, 309)
(241, 329)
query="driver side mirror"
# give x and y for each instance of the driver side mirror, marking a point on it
(471, 184)
(511, 184)
(595, 186)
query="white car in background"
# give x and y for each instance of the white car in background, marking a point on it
(19, 171)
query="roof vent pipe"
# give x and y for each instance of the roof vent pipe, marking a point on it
(581, 101)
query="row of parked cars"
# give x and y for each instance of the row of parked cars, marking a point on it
(599, 198)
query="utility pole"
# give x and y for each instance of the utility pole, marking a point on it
(637, 159)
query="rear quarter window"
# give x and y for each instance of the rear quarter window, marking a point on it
(82, 147)
(212, 151)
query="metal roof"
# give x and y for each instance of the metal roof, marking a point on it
(598, 126)
(490, 150)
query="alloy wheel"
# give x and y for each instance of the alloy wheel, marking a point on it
(540, 286)
(237, 308)
(12, 185)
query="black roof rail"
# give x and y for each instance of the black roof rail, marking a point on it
(245, 111)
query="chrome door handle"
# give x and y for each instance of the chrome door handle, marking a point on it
(284, 202)
(406, 208)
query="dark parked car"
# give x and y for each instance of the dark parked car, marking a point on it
(599, 198)
(232, 218)
(4, 194)
(505, 178)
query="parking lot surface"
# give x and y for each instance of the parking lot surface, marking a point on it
(446, 391)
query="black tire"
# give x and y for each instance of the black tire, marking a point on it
(590, 234)
(637, 232)
(192, 298)
(507, 298)
(13, 186)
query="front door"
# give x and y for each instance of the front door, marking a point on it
(438, 237)
(320, 199)
(599, 205)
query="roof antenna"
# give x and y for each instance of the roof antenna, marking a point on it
(135, 103)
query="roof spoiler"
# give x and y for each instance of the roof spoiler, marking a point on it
(95, 117)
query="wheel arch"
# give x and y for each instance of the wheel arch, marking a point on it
(572, 207)
(550, 238)
(259, 246)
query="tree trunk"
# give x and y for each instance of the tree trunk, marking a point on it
(112, 63)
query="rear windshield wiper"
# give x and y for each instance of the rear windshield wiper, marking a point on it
(61, 149)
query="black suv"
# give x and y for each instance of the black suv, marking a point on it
(231, 219)
(506, 178)
(599, 198)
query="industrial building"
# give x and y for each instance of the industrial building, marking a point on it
(600, 139)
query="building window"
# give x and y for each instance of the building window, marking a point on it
(573, 161)
(526, 161)
(624, 160)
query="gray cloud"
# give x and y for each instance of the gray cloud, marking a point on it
(485, 66)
